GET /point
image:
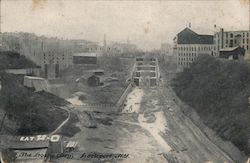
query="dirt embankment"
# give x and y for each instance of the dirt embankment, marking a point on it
(218, 91)
(29, 112)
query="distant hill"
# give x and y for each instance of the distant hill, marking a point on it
(218, 90)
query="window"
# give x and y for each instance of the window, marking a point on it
(243, 41)
(231, 35)
(231, 43)
(247, 47)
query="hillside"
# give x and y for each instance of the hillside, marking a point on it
(218, 90)
(12, 60)
(22, 110)
(29, 112)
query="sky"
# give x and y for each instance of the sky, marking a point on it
(144, 23)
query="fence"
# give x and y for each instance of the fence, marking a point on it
(123, 97)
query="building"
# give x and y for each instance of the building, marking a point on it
(39, 49)
(188, 45)
(229, 39)
(94, 48)
(93, 81)
(235, 53)
(85, 58)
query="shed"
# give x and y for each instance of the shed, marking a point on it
(85, 58)
(234, 53)
(93, 81)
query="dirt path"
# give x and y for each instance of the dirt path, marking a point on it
(155, 129)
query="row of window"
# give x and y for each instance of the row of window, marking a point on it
(187, 54)
(194, 48)
(54, 58)
(243, 41)
(232, 35)
(235, 41)
(51, 55)
(53, 61)
(185, 63)
(187, 59)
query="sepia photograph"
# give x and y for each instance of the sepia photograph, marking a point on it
(124, 81)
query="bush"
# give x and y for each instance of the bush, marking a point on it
(218, 90)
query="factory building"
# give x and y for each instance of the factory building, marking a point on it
(188, 45)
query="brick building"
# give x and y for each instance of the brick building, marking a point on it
(229, 39)
(188, 45)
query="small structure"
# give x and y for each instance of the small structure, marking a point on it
(85, 58)
(40, 84)
(56, 145)
(235, 53)
(93, 81)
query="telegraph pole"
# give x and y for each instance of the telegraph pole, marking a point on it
(1, 40)
(0, 16)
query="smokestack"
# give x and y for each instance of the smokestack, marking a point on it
(222, 37)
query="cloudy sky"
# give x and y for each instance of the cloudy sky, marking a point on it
(145, 23)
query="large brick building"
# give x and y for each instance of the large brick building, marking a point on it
(188, 45)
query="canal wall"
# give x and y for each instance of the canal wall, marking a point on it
(123, 97)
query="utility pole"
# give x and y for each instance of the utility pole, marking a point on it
(1, 40)
(0, 16)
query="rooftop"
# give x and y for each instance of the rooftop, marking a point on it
(85, 54)
(187, 36)
(229, 49)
